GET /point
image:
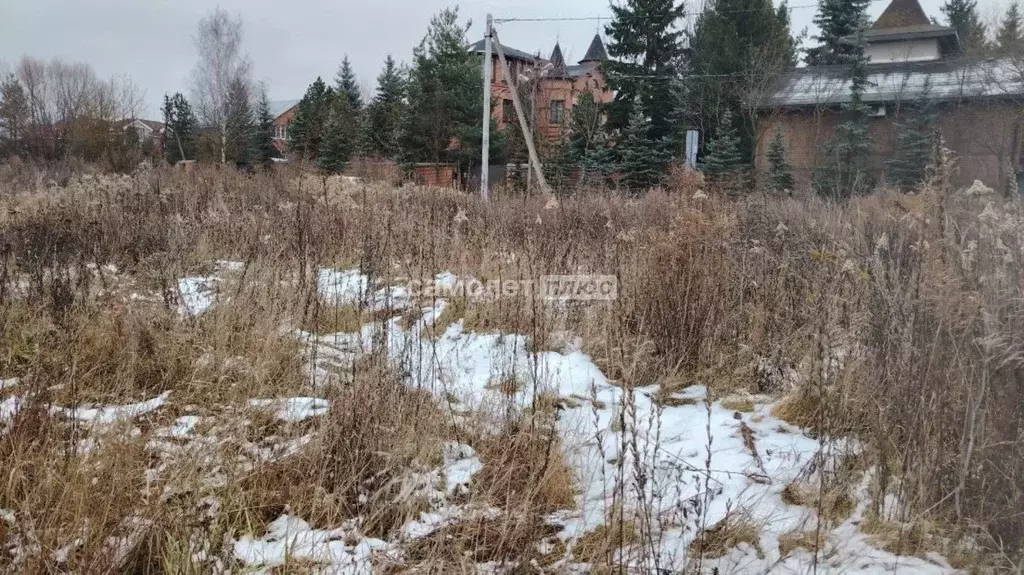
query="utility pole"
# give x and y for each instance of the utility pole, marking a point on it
(485, 151)
(534, 160)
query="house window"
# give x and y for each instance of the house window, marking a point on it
(508, 112)
(281, 131)
(556, 112)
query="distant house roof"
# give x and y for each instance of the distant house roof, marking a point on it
(479, 48)
(901, 13)
(948, 80)
(596, 51)
(279, 107)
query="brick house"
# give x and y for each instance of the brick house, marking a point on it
(283, 112)
(979, 100)
(556, 92)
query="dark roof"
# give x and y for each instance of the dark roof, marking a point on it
(901, 13)
(947, 37)
(948, 80)
(557, 61)
(478, 47)
(596, 51)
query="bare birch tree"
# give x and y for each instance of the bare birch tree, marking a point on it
(221, 62)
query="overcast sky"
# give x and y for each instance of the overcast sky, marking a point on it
(290, 43)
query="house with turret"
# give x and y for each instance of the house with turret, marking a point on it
(556, 85)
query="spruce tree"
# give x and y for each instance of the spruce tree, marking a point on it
(645, 49)
(340, 135)
(238, 122)
(837, 20)
(844, 172)
(780, 173)
(915, 139)
(180, 129)
(345, 83)
(1009, 39)
(734, 43)
(261, 141)
(14, 114)
(963, 15)
(386, 112)
(306, 132)
(443, 123)
(643, 158)
(724, 156)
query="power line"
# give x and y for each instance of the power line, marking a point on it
(599, 18)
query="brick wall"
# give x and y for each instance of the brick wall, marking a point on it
(566, 90)
(984, 135)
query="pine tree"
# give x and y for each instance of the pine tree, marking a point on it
(645, 49)
(345, 82)
(443, 123)
(643, 158)
(180, 129)
(963, 15)
(386, 112)
(306, 132)
(261, 141)
(239, 122)
(734, 43)
(340, 135)
(838, 20)
(844, 172)
(14, 114)
(915, 140)
(724, 155)
(780, 173)
(1009, 38)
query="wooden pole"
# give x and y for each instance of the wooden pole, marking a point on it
(534, 160)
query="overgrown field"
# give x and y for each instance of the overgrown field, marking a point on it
(211, 372)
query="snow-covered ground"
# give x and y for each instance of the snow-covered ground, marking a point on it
(673, 463)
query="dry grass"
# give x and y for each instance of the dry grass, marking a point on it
(811, 541)
(902, 320)
(719, 539)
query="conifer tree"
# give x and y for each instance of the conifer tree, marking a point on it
(261, 141)
(340, 135)
(345, 82)
(14, 114)
(963, 15)
(643, 158)
(180, 127)
(724, 156)
(915, 139)
(386, 112)
(306, 132)
(443, 123)
(780, 173)
(645, 49)
(1009, 39)
(838, 20)
(238, 122)
(844, 171)
(737, 46)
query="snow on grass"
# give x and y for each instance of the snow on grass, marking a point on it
(10, 407)
(460, 465)
(347, 287)
(9, 383)
(293, 409)
(689, 465)
(106, 414)
(290, 539)
(197, 295)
